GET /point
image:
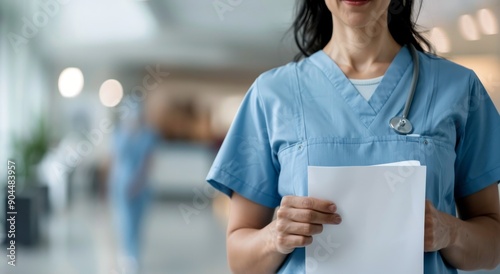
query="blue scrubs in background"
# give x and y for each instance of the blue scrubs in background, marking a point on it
(132, 146)
(309, 113)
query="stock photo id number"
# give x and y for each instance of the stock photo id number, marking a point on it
(11, 213)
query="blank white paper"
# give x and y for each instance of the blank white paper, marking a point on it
(382, 209)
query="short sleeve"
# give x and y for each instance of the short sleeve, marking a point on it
(478, 150)
(245, 162)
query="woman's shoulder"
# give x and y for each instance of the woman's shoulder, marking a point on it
(277, 82)
(448, 67)
(281, 75)
(284, 77)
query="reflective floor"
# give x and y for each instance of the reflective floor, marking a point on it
(81, 241)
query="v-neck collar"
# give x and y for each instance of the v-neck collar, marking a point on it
(366, 110)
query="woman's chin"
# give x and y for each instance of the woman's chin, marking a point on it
(358, 22)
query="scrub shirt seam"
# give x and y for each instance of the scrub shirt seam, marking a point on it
(256, 190)
(304, 127)
(435, 72)
(462, 132)
(343, 140)
(259, 99)
(471, 86)
(300, 135)
(299, 99)
(303, 119)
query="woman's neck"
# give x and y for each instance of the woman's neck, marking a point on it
(365, 52)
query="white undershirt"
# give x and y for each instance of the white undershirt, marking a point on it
(366, 87)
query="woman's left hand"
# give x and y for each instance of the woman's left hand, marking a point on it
(438, 228)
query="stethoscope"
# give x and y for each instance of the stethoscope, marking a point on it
(401, 124)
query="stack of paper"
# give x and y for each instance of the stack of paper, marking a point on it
(382, 209)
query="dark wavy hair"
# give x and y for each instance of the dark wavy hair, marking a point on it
(313, 26)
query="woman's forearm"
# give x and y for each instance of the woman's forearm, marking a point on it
(253, 251)
(474, 243)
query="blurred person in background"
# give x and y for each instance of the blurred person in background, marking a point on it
(132, 146)
(332, 108)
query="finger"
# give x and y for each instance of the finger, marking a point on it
(308, 216)
(429, 207)
(429, 243)
(429, 235)
(287, 242)
(309, 203)
(428, 247)
(302, 229)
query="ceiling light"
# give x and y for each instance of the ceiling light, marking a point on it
(468, 28)
(487, 22)
(111, 93)
(70, 82)
(440, 40)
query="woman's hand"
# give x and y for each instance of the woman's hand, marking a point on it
(298, 218)
(439, 228)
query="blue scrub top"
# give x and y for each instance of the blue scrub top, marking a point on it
(308, 113)
(131, 148)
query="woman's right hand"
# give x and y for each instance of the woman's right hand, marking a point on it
(298, 218)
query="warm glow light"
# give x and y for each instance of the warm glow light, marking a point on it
(111, 93)
(224, 113)
(70, 82)
(487, 68)
(468, 28)
(440, 40)
(487, 22)
(228, 109)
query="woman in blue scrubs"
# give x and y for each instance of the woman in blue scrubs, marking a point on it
(130, 194)
(332, 108)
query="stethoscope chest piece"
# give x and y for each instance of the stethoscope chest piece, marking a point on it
(401, 125)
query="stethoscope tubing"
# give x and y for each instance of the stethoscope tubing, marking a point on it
(414, 81)
(401, 124)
